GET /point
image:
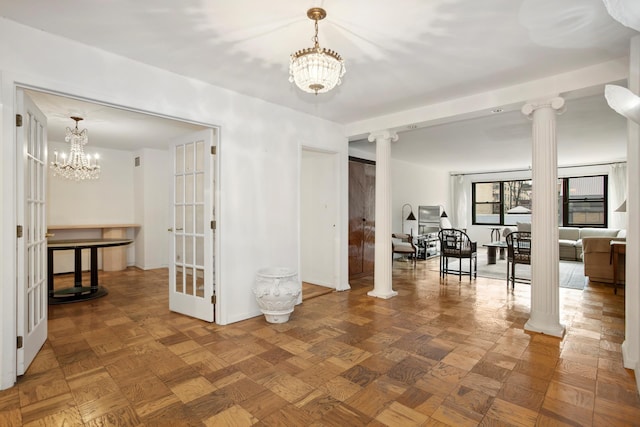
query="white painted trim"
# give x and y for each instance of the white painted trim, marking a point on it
(8, 274)
(508, 98)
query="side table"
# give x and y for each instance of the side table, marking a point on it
(618, 250)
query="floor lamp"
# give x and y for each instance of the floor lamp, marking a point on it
(410, 217)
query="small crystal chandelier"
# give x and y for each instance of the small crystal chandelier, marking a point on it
(316, 69)
(78, 166)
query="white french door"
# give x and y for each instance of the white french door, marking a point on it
(32, 294)
(191, 267)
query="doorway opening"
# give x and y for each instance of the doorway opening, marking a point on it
(319, 210)
(135, 162)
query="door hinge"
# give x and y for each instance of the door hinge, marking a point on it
(19, 231)
(213, 150)
(19, 342)
(213, 299)
(18, 120)
(213, 225)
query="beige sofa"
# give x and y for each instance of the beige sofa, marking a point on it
(570, 239)
(597, 259)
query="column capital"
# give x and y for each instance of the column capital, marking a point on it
(384, 134)
(555, 103)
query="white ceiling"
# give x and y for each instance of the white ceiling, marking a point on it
(108, 127)
(399, 55)
(589, 132)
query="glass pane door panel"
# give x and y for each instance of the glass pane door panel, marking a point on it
(189, 158)
(179, 189)
(199, 188)
(200, 221)
(200, 251)
(200, 156)
(180, 159)
(179, 279)
(188, 189)
(179, 250)
(199, 282)
(179, 218)
(188, 250)
(188, 219)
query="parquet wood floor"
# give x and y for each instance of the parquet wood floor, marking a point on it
(441, 353)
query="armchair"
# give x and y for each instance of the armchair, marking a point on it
(404, 247)
(456, 243)
(518, 252)
(598, 263)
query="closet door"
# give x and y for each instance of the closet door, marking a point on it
(362, 186)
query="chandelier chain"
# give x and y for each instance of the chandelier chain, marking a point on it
(316, 44)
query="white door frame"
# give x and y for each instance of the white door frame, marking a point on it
(9, 83)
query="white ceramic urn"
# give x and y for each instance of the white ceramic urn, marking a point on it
(276, 290)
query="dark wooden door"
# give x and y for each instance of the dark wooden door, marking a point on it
(362, 197)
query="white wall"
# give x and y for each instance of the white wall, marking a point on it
(318, 218)
(152, 186)
(258, 154)
(419, 186)
(107, 200)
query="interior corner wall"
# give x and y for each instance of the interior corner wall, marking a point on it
(419, 186)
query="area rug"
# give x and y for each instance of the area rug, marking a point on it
(571, 272)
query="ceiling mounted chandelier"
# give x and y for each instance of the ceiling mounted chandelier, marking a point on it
(78, 166)
(316, 69)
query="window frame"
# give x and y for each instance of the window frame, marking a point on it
(565, 201)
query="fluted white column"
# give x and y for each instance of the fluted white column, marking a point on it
(545, 290)
(631, 344)
(383, 262)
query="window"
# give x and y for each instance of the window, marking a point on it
(487, 203)
(582, 202)
(493, 201)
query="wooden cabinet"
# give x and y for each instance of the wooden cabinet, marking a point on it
(362, 200)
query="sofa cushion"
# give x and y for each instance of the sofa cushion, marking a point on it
(598, 232)
(569, 233)
(567, 243)
(524, 226)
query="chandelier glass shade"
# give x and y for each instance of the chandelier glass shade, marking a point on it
(78, 166)
(316, 69)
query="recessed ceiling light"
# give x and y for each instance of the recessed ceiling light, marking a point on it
(497, 110)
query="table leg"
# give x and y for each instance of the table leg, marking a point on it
(77, 268)
(50, 271)
(94, 269)
(502, 253)
(491, 255)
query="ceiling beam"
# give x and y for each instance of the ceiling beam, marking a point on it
(583, 81)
